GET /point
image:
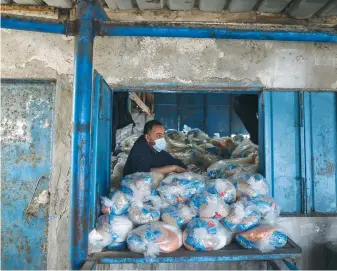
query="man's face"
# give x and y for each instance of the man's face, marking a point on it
(157, 132)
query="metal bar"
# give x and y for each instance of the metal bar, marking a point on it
(83, 73)
(28, 24)
(107, 29)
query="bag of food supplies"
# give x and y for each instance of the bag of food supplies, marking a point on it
(140, 213)
(117, 203)
(225, 144)
(117, 172)
(245, 149)
(206, 234)
(209, 205)
(228, 168)
(241, 217)
(249, 185)
(110, 229)
(263, 237)
(178, 215)
(266, 206)
(154, 238)
(176, 141)
(179, 188)
(137, 185)
(223, 189)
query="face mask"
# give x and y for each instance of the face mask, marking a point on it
(160, 144)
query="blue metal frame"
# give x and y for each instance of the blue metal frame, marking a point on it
(108, 29)
(80, 164)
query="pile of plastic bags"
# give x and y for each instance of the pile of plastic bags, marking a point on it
(227, 200)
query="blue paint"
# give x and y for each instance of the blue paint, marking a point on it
(80, 164)
(210, 112)
(101, 145)
(50, 26)
(99, 12)
(26, 165)
(214, 33)
(281, 146)
(202, 258)
(320, 123)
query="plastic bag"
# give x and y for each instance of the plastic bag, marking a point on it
(209, 206)
(118, 203)
(250, 185)
(267, 207)
(117, 226)
(245, 149)
(223, 189)
(156, 178)
(117, 245)
(176, 141)
(179, 188)
(263, 237)
(117, 172)
(137, 185)
(100, 238)
(178, 216)
(197, 136)
(128, 143)
(140, 213)
(241, 217)
(225, 144)
(228, 168)
(154, 238)
(206, 234)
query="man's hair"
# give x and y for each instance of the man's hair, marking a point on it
(149, 125)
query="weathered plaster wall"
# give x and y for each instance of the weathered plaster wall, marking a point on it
(184, 61)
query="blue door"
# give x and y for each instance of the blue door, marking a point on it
(101, 125)
(26, 166)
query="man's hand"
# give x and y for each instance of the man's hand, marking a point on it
(178, 169)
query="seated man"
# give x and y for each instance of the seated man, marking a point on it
(148, 154)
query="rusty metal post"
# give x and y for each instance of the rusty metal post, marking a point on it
(80, 177)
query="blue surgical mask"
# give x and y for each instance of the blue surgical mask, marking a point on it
(160, 144)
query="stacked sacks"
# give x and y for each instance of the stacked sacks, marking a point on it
(223, 188)
(209, 205)
(250, 185)
(178, 215)
(179, 188)
(117, 203)
(205, 234)
(154, 238)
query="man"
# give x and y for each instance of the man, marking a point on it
(148, 154)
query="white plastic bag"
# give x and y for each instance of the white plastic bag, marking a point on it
(140, 213)
(117, 203)
(267, 207)
(209, 206)
(154, 238)
(245, 149)
(223, 189)
(178, 215)
(250, 185)
(205, 234)
(100, 239)
(241, 217)
(263, 237)
(137, 185)
(179, 188)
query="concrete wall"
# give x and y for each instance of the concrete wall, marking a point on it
(182, 61)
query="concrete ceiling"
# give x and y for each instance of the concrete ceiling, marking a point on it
(298, 9)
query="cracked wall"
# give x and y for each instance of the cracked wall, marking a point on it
(128, 61)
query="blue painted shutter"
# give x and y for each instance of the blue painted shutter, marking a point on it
(166, 109)
(192, 110)
(320, 123)
(101, 123)
(280, 145)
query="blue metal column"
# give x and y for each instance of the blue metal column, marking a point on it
(83, 74)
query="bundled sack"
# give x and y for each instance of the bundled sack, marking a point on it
(178, 215)
(176, 141)
(209, 205)
(228, 168)
(225, 144)
(223, 189)
(154, 238)
(179, 188)
(110, 230)
(245, 149)
(140, 213)
(137, 185)
(250, 185)
(267, 207)
(128, 143)
(117, 203)
(241, 217)
(263, 237)
(205, 234)
(117, 172)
